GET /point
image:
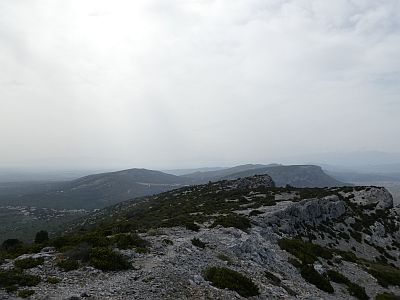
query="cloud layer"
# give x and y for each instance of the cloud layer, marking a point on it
(185, 83)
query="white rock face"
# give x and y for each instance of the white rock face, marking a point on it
(310, 212)
(373, 195)
(255, 182)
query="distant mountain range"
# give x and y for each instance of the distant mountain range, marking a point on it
(101, 190)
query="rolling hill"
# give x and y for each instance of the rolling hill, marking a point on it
(295, 175)
(99, 190)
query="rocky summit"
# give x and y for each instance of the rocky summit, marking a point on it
(238, 239)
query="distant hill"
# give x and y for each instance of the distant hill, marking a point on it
(180, 172)
(215, 175)
(100, 190)
(296, 175)
(104, 189)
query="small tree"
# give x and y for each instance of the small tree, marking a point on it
(41, 237)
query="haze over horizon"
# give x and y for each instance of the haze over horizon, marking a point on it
(101, 84)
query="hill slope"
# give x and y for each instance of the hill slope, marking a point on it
(230, 240)
(294, 175)
(101, 190)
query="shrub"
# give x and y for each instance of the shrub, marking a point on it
(313, 277)
(11, 244)
(53, 280)
(225, 258)
(106, 259)
(255, 212)
(198, 243)
(233, 220)
(386, 275)
(274, 279)
(41, 237)
(25, 293)
(387, 296)
(80, 252)
(337, 277)
(225, 278)
(353, 288)
(68, 265)
(167, 242)
(356, 235)
(15, 277)
(28, 263)
(141, 250)
(307, 252)
(127, 241)
(192, 226)
(357, 291)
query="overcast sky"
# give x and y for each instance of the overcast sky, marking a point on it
(185, 83)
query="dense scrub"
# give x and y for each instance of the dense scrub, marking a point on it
(11, 279)
(307, 253)
(107, 260)
(225, 278)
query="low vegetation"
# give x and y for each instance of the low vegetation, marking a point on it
(53, 280)
(225, 258)
(273, 278)
(107, 260)
(233, 220)
(25, 293)
(68, 265)
(11, 279)
(225, 278)
(353, 288)
(385, 274)
(198, 243)
(320, 281)
(387, 296)
(28, 263)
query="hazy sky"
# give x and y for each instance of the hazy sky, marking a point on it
(184, 83)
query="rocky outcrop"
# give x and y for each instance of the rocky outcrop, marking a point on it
(304, 213)
(254, 182)
(373, 195)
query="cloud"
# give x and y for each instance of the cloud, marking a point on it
(163, 84)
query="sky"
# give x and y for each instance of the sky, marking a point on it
(190, 83)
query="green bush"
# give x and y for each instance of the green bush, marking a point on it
(16, 277)
(255, 212)
(233, 220)
(167, 242)
(128, 241)
(198, 243)
(310, 275)
(225, 258)
(25, 293)
(11, 244)
(274, 279)
(387, 296)
(28, 263)
(107, 260)
(192, 226)
(353, 288)
(225, 278)
(41, 237)
(68, 265)
(80, 252)
(307, 252)
(53, 280)
(337, 277)
(386, 275)
(357, 291)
